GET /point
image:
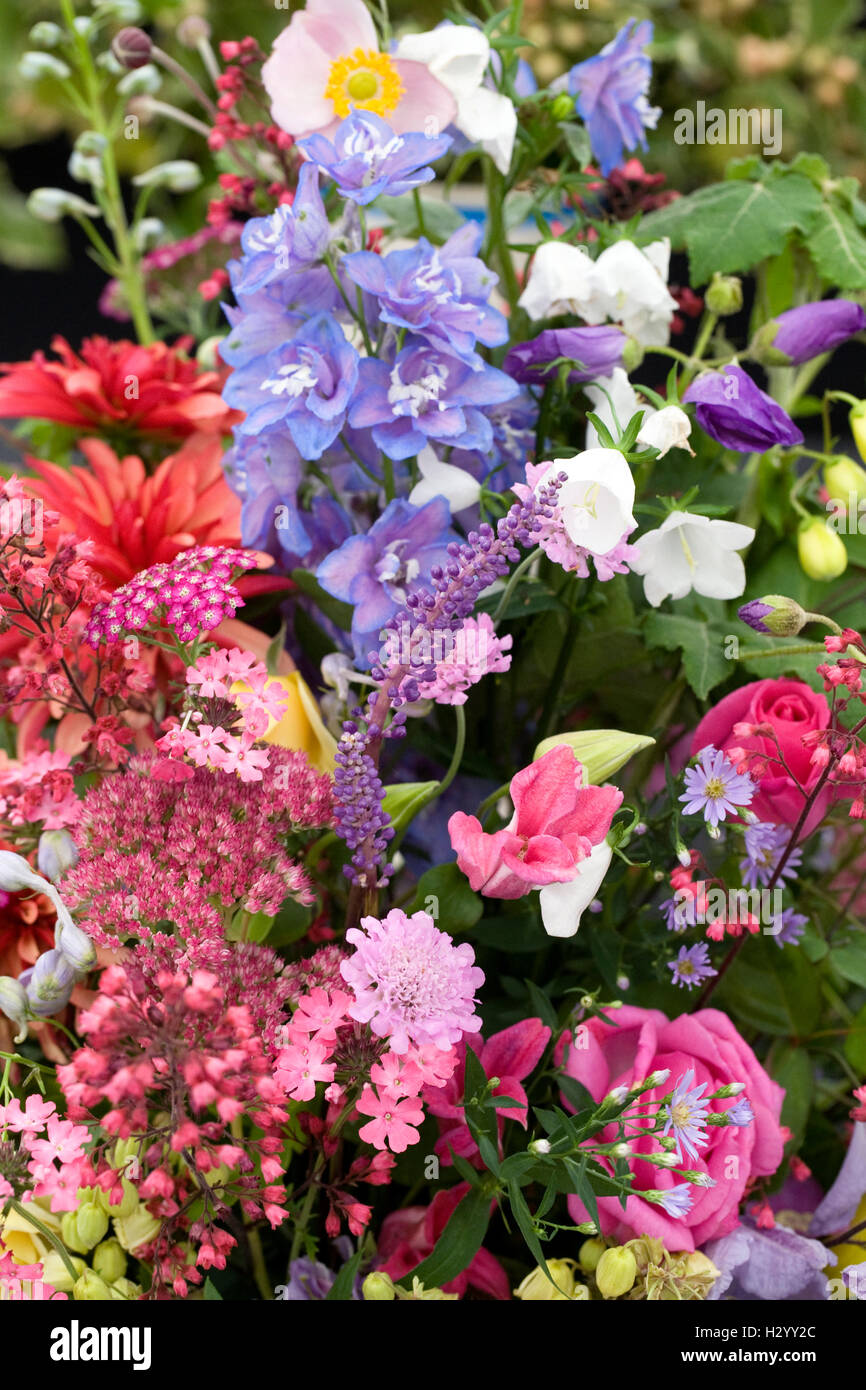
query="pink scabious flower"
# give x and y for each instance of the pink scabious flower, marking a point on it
(476, 652)
(327, 62)
(411, 983)
(560, 547)
(557, 822)
(189, 596)
(194, 853)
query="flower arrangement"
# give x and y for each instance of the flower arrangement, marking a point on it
(478, 914)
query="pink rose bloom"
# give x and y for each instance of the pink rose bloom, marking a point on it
(643, 1041)
(792, 709)
(557, 823)
(327, 62)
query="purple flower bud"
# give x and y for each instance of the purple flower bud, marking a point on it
(594, 351)
(805, 332)
(738, 414)
(132, 47)
(774, 614)
(75, 946)
(49, 984)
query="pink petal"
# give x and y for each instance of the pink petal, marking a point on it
(425, 105)
(544, 859)
(295, 78)
(546, 791)
(515, 1050)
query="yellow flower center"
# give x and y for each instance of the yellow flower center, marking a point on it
(680, 1115)
(364, 79)
(714, 788)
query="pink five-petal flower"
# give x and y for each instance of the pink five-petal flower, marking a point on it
(511, 1055)
(65, 1142)
(35, 1115)
(321, 1013)
(327, 61)
(395, 1119)
(556, 824)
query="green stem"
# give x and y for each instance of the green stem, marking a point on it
(705, 332)
(497, 242)
(811, 648)
(43, 1230)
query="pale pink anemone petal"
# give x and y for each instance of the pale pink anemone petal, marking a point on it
(425, 104)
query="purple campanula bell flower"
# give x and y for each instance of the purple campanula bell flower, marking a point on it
(738, 414)
(806, 331)
(611, 92)
(438, 292)
(594, 351)
(375, 571)
(366, 158)
(427, 395)
(305, 385)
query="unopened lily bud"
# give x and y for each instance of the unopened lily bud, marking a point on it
(601, 752)
(34, 65)
(774, 614)
(132, 48)
(821, 552)
(91, 1289)
(109, 1260)
(724, 295)
(537, 1288)
(616, 1272)
(177, 175)
(590, 1253)
(378, 1288)
(53, 204)
(56, 854)
(843, 477)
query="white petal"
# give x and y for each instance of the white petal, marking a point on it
(666, 429)
(440, 479)
(456, 54)
(561, 280)
(489, 119)
(721, 575)
(562, 904)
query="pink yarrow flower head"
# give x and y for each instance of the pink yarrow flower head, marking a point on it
(475, 652)
(327, 63)
(190, 596)
(411, 983)
(556, 824)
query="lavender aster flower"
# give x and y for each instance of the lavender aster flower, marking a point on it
(764, 843)
(427, 395)
(808, 330)
(788, 927)
(376, 571)
(676, 1200)
(686, 1115)
(594, 352)
(715, 787)
(738, 414)
(305, 385)
(691, 966)
(438, 292)
(611, 91)
(366, 158)
(740, 1113)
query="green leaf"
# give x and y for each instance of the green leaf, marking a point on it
(732, 226)
(523, 1217)
(457, 908)
(440, 218)
(704, 661)
(792, 1069)
(458, 1244)
(575, 1093)
(211, 1292)
(855, 1043)
(342, 1287)
(403, 801)
(582, 1187)
(577, 139)
(838, 248)
(850, 961)
(541, 1005)
(775, 990)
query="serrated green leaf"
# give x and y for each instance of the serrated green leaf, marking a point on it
(704, 662)
(838, 248)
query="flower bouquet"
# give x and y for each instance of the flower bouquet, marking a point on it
(431, 680)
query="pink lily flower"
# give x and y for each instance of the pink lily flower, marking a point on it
(557, 823)
(511, 1055)
(327, 62)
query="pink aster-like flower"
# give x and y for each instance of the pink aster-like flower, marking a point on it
(327, 62)
(411, 983)
(476, 652)
(395, 1119)
(301, 1065)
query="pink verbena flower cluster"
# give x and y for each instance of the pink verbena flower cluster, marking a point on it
(49, 1159)
(190, 596)
(185, 1073)
(558, 545)
(39, 788)
(475, 652)
(221, 727)
(193, 853)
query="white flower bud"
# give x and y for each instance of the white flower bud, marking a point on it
(177, 175)
(45, 34)
(52, 204)
(143, 81)
(540, 1146)
(33, 66)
